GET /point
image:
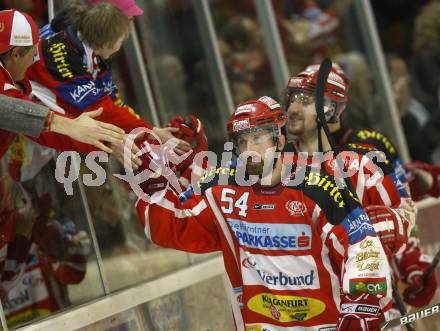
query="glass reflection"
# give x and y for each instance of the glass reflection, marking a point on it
(47, 256)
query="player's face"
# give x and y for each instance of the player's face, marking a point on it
(301, 114)
(258, 142)
(256, 149)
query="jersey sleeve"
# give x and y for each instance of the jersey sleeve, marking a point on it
(358, 254)
(61, 142)
(49, 139)
(373, 187)
(189, 227)
(118, 115)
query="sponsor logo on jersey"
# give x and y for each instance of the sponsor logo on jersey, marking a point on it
(84, 92)
(269, 236)
(260, 206)
(325, 184)
(374, 286)
(248, 262)
(284, 308)
(57, 57)
(357, 226)
(330, 328)
(275, 272)
(296, 208)
(371, 254)
(400, 170)
(257, 327)
(401, 188)
(367, 134)
(286, 280)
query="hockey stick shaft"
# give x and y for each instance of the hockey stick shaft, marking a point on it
(405, 320)
(323, 73)
(432, 267)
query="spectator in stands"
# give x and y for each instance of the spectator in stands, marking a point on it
(30, 118)
(308, 32)
(413, 115)
(61, 20)
(361, 100)
(426, 49)
(246, 59)
(18, 41)
(73, 70)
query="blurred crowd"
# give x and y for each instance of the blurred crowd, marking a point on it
(35, 271)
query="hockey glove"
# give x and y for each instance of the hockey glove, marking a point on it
(190, 130)
(424, 180)
(157, 167)
(389, 227)
(412, 267)
(360, 312)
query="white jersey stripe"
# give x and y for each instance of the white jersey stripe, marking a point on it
(360, 187)
(383, 194)
(222, 222)
(147, 230)
(238, 318)
(327, 265)
(316, 211)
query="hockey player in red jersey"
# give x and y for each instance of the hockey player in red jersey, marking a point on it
(392, 210)
(415, 181)
(410, 261)
(296, 257)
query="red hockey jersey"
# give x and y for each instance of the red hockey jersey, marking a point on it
(289, 252)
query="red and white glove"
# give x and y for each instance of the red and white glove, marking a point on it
(190, 130)
(360, 312)
(424, 180)
(157, 166)
(389, 227)
(412, 267)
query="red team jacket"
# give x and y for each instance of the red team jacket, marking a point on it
(50, 139)
(289, 252)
